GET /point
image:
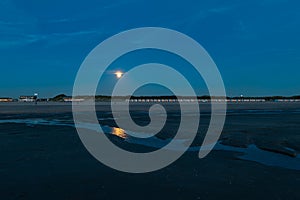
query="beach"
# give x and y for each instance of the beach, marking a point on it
(257, 155)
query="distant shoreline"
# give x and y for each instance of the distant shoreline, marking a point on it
(170, 98)
(66, 107)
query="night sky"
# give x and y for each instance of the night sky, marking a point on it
(255, 44)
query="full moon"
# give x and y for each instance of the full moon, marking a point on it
(119, 74)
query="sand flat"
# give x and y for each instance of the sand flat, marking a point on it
(41, 153)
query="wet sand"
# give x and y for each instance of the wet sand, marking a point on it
(46, 161)
(60, 107)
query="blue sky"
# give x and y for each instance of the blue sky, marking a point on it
(255, 44)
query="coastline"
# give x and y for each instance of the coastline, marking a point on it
(60, 107)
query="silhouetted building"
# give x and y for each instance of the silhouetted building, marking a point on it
(27, 98)
(5, 99)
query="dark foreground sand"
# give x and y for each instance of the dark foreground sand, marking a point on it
(50, 162)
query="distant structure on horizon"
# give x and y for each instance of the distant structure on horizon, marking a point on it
(6, 99)
(72, 99)
(193, 100)
(27, 98)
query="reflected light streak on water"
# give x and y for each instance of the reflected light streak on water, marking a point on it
(119, 132)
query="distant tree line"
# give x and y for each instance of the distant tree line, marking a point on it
(61, 97)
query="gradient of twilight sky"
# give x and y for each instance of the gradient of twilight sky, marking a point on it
(255, 44)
